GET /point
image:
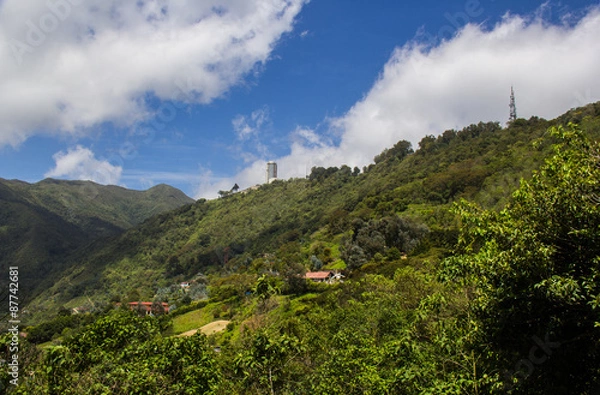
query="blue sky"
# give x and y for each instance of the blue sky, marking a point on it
(200, 94)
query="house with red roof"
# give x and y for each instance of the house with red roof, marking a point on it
(150, 307)
(319, 277)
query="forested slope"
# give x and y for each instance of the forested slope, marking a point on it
(442, 295)
(42, 223)
(281, 226)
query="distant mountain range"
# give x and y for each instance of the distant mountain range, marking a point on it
(42, 223)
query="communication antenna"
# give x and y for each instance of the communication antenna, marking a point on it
(513, 107)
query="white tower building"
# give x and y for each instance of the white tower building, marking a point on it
(271, 172)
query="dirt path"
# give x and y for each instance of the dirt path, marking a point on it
(208, 329)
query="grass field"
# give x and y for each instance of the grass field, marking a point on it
(193, 320)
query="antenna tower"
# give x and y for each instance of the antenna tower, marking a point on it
(513, 107)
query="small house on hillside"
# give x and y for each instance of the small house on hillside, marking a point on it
(149, 308)
(327, 276)
(319, 277)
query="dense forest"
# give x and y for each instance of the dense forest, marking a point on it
(467, 266)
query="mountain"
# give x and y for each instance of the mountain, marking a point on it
(98, 209)
(41, 223)
(328, 220)
(468, 266)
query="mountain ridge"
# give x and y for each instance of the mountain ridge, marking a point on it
(461, 263)
(283, 225)
(72, 198)
(42, 222)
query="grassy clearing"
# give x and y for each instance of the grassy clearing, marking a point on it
(208, 329)
(193, 320)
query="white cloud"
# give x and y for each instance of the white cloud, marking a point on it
(249, 131)
(80, 163)
(246, 127)
(463, 80)
(209, 185)
(68, 65)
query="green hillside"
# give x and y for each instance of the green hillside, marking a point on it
(42, 223)
(30, 236)
(287, 226)
(470, 266)
(99, 209)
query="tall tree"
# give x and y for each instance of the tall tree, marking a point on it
(534, 269)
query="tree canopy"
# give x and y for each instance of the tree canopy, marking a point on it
(534, 270)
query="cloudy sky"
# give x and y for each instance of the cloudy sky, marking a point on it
(199, 94)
